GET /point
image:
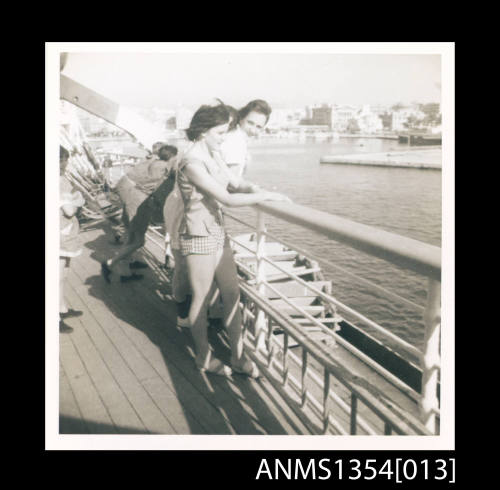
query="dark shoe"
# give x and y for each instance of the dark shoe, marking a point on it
(133, 277)
(136, 264)
(183, 307)
(71, 313)
(216, 323)
(63, 328)
(106, 272)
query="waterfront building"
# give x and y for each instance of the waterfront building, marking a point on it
(368, 121)
(322, 115)
(380, 109)
(401, 116)
(342, 115)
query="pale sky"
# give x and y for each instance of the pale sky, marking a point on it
(291, 80)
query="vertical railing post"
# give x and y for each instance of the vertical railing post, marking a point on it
(260, 322)
(429, 403)
(354, 413)
(285, 359)
(326, 396)
(303, 388)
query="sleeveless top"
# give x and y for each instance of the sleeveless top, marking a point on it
(201, 211)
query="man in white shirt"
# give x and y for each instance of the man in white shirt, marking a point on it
(251, 121)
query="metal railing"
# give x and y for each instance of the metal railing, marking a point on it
(407, 253)
(355, 409)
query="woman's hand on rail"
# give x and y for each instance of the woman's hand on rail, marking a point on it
(276, 196)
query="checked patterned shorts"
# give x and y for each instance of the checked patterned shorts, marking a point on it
(204, 245)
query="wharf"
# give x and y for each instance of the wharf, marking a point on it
(127, 368)
(428, 158)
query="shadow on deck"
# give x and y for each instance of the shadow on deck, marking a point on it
(128, 369)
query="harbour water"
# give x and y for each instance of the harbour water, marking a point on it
(399, 200)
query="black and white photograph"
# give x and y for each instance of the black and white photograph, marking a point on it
(250, 246)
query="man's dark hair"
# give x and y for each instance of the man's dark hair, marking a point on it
(258, 105)
(205, 118)
(63, 153)
(166, 152)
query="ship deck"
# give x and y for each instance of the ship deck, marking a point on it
(127, 368)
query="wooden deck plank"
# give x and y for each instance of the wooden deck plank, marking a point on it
(181, 418)
(71, 421)
(175, 347)
(122, 333)
(89, 402)
(104, 329)
(133, 322)
(171, 335)
(121, 392)
(121, 354)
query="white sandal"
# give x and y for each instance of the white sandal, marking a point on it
(217, 367)
(249, 368)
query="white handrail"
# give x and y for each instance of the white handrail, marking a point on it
(410, 254)
(405, 252)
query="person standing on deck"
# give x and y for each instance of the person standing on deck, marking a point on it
(251, 121)
(70, 201)
(205, 183)
(140, 204)
(172, 217)
(246, 123)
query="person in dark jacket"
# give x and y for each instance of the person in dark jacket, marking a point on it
(143, 191)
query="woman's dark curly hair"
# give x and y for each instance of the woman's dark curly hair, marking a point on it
(205, 118)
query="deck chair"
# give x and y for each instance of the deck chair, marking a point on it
(99, 206)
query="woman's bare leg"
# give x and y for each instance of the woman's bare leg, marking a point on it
(201, 270)
(227, 280)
